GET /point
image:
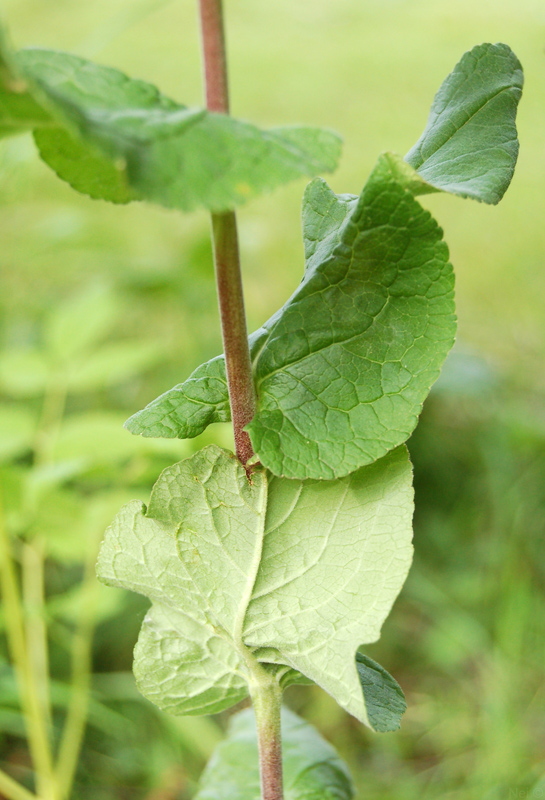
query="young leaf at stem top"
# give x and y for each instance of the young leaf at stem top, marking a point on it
(469, 146)
(276, 575)
(19, 110)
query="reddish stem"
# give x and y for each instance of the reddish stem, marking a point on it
(226, 253)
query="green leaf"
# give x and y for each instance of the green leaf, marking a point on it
(343, 368)
(312, 769)
(384, 698)
(270, 574)
(121, 139)
(186, 410)
(469, 146)
(19, 111)
(83, 167)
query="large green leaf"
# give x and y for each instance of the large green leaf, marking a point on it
(120, 139)
(285, 575)
(343, 368)
(312, 769)
(469, 146)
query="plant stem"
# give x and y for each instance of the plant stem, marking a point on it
(35, 628)
(81, 657)
(226, 253)
(13, 790)
(267, 702)
(30, 697)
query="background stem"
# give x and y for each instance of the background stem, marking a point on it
(226, 253)
(30, 696)
(81, 658)
(13, 790)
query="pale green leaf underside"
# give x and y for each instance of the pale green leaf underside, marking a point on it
(469, 146)
(311, 767)
(343, 368)
(278, 572)
(120, 139)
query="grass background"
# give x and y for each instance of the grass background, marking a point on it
(466, 638)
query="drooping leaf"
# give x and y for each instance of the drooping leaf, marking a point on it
(120, 139)
(312, 769)
(469, 146)
(343, 368)
(206, 552)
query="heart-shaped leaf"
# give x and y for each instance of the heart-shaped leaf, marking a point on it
(19, 110)
(343, 368)
(287, 576)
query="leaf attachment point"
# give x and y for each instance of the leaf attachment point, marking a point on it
(343, 368)
(227, 609)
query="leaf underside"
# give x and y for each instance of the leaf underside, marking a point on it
(311, 767)
(285, 574)
(119, 139)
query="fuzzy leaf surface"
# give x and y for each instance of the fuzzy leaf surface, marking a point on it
(312, 769)
(469, 146)
(120, 139)
(272, 574)
(343, 368)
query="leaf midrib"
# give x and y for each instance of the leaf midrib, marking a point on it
(457, 131)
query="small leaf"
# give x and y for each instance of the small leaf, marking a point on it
(384, 698)
(181, 663)
(120, 139)
(343, 368)
(206, 552)
(469, 146)
(312, 769)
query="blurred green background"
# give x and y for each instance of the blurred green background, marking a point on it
(103, 308)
